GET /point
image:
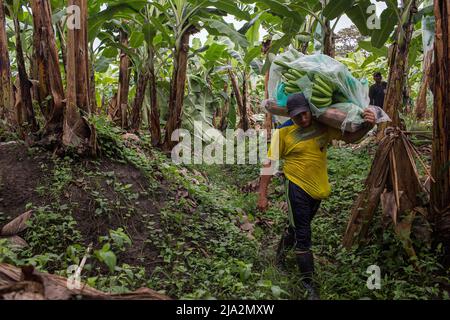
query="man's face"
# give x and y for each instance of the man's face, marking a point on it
(378, 79)
(303, 120)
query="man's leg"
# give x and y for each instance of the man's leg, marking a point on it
(303, 209)
(287, 242)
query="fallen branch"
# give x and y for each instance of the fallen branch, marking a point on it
(27, 283)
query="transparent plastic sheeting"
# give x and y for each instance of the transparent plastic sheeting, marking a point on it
(357, 92)
(428, 28)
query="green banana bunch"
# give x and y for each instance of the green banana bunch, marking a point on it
(282, 64)
(291, 76)
(339, 97)
(322, 92)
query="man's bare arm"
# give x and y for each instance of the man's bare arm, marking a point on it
(264, 183)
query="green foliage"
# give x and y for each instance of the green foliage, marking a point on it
(364, 67)
(107, 256)
(359, 14)
(8, 254)
(336, 8)
(125, 279)
(388, 21)
(52, 229)
(117, 241)
(111, 144)
(202, 252)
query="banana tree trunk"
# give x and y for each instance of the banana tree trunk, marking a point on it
(246, 102)
(92, 90)
(139, 100)
(25, 104)
(328, 41)
(124, 82)
(111, 108)
(440, 191)
(155, 126)
(421, 105)
(78, 134)
(34, 76)
(268, 123)
(398, 64)
(241, 102)
(177, 86)
(6, 93)
(62, 44)
(46, 61)
(223, 120)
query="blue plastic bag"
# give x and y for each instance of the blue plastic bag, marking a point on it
(282, 97)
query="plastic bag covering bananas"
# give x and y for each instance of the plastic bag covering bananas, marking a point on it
(323, 92)
(324, 81)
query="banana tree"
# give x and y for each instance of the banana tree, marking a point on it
(154, 115)
(239, 63)
(148, 40)
(208, 101)
(328, 36)
(285, 22)
(428, 30)
(306, 22)
(50, 91)
(77, 132)
(204, 99)
(24, 105)
(124, 80)
(399, 58)
(182, 18)
(394, 174)
(181, 11)
(307, 25)
(187, 17)
(6, 93)
(110, 49)
(146, 35)
(133, 56)
(440, 191)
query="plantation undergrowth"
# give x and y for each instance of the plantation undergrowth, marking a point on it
(194, 232)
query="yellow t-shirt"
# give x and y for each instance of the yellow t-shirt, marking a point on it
(304, 152)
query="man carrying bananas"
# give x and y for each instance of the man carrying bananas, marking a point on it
(302, 144)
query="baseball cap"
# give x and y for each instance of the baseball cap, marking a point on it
(297, 104)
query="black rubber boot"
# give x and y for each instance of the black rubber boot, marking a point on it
(287, 242)
(305, 262)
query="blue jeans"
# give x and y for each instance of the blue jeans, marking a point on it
(302, 209)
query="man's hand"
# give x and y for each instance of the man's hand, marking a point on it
(369, 117)
(369, 122)
(263, 203)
